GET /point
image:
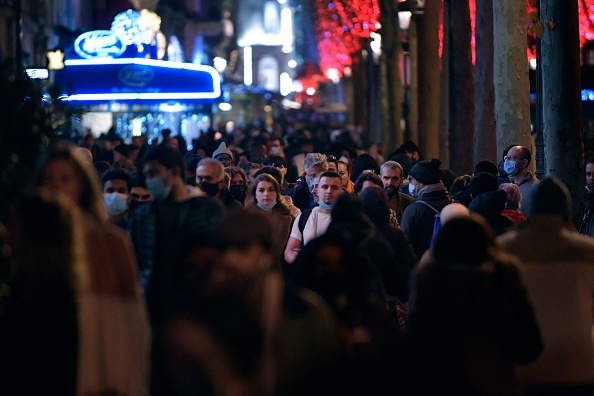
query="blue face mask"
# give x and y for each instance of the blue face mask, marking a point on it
(311, 184)
(115, 202)
(509, 166)
(158, 188)
(324, 205)
(267, 207)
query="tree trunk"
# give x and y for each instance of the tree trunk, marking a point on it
(561, 88)
(429, 79)
(485, 141)
(391, 45)
(359, 78)
(461, 88)
(444, 93)
(413, 88)
(510, 75)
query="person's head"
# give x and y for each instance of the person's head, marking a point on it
(279, 163)
(63, 171)
(85, 153)
(272, 171)
(224, 155)
(422, 174)
(464, 240)
(590, 174)
(238, 185)
(163, 169)
(44, 235)
(362, 163)
(367, 179)
(329, 188)
(332, 163)
(459, 183)
(120, 153)
(244, 158)
(513, 195)
(139, 194)
(412, 150)
(517, 160)
(265, 191)
(551, 197)
(277, 147)
(483, 182)
(375, 204)
(314, 165)
(116, 184)
(486, 166)
(343, 171)
(391, 174)
(191, 164)
(210, 176)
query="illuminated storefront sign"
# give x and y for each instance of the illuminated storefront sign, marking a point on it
(137, 79)
(99, 44)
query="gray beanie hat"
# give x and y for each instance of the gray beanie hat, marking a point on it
(222, 150)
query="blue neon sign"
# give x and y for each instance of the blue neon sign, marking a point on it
(137, 79)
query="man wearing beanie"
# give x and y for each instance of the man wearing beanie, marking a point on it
(224, 155)
(419, 217)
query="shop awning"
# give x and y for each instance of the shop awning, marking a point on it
(136, 80)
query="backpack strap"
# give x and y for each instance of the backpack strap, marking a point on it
(302, 222)
(426, 204)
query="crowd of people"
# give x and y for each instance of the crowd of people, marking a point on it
(303, 264)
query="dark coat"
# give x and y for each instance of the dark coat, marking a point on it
(586, 224)
(302, 197)
(418, 219)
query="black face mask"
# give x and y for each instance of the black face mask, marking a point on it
(134, 204)
(210, 188)
(238, 192)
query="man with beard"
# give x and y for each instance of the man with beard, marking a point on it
(391, 175)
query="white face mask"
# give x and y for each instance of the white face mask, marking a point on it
(115, 202)
(412, 189)
(274, 150)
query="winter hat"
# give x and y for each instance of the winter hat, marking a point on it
(222, 150)
(427, 172)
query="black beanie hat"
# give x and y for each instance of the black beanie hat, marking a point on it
(427, 172)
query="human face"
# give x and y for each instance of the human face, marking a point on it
(237, 180)
(115, 185)
(332, 166)
(515, 154)
(140, 194)
(392, 179)
(224, 159)
(208, 174)
(265, 193)
(313, 173)
(343, 171)
(414, 190)
(60, 176)
(328, 189)
(590, 176)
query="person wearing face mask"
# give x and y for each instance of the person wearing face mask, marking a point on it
(516, 166)
(302, 194)
(116, 185)
(238, 185)
(313, 223)
(265, 198)
(418, 219)
(210, 177)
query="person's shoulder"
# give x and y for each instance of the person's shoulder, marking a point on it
(406, 199)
